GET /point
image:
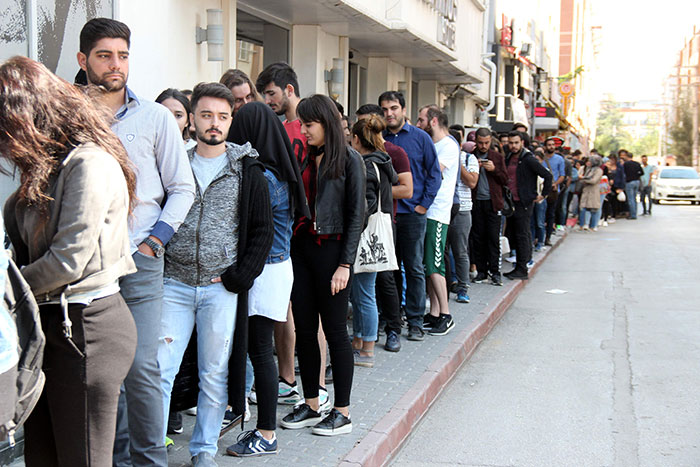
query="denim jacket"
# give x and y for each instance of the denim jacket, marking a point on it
(282, 217)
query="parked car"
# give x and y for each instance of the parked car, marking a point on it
(676, 183)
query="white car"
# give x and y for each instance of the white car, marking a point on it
(676, 183)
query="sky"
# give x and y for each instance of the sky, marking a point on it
(640, 43)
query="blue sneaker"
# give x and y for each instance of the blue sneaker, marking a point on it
(462, 296)
(251, 443)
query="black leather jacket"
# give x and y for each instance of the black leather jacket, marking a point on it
(340, 205)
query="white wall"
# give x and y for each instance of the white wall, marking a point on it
(164, 52)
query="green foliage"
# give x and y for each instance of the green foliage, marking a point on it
(681, 131)
(570, 75)
(610, 133)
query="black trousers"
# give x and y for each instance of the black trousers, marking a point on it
(520, 223)
(485, 235)
(75, 419)
(260, 330)
(552, 203)
(387, 293)
(314, 266)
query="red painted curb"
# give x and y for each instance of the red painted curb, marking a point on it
(386, 437)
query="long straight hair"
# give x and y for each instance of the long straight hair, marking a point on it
(320, 108)
(42, 118)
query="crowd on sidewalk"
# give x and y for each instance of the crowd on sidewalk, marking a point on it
(182, 252)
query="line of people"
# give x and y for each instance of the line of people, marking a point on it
(194, 233)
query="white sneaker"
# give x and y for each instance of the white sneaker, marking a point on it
(246, 417)
(192, 411)
(612, 220)
(288, 394)
(324, 401)
(605, 223)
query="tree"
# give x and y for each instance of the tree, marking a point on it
(610, 133)
(681, 130)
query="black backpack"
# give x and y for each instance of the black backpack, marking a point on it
(28, 382)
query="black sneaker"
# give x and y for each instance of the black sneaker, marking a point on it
(334, 424)
(230, 420)
(302, 416)
(496, 279)
(393, 342)
(480, 278)
(444, 325)
(516, 274)
(429, 321)
(415, 333)
(175, 423)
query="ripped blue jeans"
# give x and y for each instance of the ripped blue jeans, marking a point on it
(213, 309)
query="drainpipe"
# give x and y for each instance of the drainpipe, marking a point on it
(485, 60)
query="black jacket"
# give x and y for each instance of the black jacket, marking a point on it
(526, 177)
(388, 178)
(340, 205)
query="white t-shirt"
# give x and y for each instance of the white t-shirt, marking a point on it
(448, 155)
(463, 191)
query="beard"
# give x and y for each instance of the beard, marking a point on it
(213, 139)
(110, 84)
(283, 106)
(429, 129)
(396, 123)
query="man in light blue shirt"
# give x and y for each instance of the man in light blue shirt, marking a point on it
(645, 188)
(164, 193)
(557, 166)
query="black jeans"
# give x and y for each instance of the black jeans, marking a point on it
(314, 266)
(260, 330)
(552, 203)
(486, 233)
(75, 419)
(520, 223)
(388, 301)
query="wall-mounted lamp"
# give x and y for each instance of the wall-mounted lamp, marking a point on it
(213, 35)
(335, 78)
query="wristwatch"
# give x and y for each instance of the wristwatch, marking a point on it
(157, 248)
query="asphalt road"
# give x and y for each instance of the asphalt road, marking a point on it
(605, 374)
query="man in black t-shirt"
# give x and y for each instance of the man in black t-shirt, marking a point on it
(633, 174)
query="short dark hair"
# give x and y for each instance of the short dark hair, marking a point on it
(100, 28)
(515, 133)
(433, 111)
(279, 73)
(234, 77)
(341, 109)
(458, 128)
(369, 109)
(483, 132)
(216, 90)
(392, 96)
(455, 134)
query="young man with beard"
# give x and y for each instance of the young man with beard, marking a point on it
(279, 87)
(411, 212)
(165, 191)
(486, 211)
(210, 265)
(522, 169)
(557, 167)
(434, 122)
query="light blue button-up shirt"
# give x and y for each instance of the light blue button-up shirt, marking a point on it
(154, 144)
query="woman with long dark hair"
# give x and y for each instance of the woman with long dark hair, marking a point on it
(179, 105)
(323, 252)
(68, 224)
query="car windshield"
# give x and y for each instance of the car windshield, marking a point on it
(679, 173)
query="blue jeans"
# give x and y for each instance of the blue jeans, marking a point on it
(631, 190)
(213, 309)
(410, 238)
(139, 437)
(365, 317)
(539, 212)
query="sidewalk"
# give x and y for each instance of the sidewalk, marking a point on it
(387, 400)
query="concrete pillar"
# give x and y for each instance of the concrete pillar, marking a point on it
(344, 53)
(427, 92)
(377, 77)
(305, 59)
(230, 56)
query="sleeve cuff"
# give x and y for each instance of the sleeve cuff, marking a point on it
(163, 232)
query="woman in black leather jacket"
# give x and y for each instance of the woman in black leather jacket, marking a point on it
(323, 251)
